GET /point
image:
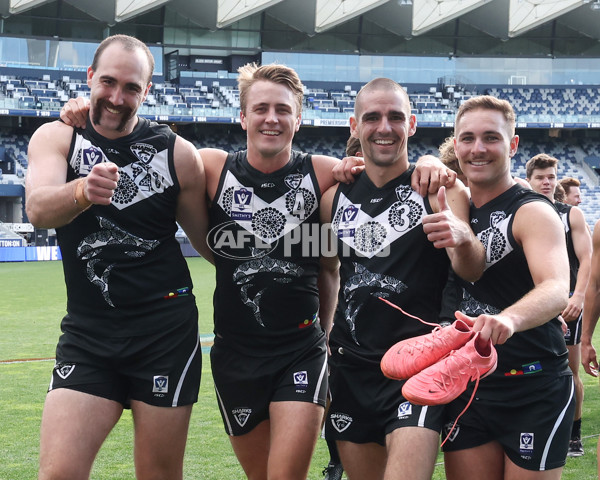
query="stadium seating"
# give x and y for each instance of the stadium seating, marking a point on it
(439, 103)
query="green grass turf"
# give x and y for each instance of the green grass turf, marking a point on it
(33, 302)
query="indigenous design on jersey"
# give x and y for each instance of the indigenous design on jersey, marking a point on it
(378, 285)
(372, 235)
(269, 221)
(137, 181)
(495, 238)
(282, 271)
(110, 244)
(475, 307)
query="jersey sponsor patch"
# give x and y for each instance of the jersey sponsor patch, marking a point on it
(241, 205)
(347, 226)
(340, 421)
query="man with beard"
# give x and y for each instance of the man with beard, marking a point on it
(395, 244)
(114, 191)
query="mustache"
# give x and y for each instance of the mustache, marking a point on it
(125, 112)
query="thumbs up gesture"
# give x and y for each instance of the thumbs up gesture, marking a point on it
(443, 228)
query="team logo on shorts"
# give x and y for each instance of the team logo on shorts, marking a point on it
(301, 379)
(160, 384)
(63, 370)
(340, 421)
(451, 434)
(526, 444)
(241, 415)
(404, 410)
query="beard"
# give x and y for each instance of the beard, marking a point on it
(126, 114)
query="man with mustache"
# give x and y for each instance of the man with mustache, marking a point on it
(114, 191)
(519, 418)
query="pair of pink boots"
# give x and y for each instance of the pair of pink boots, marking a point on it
(439, 366)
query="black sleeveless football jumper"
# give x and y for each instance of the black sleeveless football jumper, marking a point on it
(265, 235)
(384, 252)
(124, 270)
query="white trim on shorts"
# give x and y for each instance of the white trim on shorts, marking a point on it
(183, 374)
(556, 425)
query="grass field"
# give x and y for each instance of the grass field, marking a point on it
(33, 302)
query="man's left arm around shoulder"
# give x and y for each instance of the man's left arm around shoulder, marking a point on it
(429, 175)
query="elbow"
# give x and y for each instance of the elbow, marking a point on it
(34, 216)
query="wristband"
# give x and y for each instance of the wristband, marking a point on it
(79, 196)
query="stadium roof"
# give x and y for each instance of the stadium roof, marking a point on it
(502, 19)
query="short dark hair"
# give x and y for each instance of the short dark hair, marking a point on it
(381, 83)
(540, 161)
(128, 43)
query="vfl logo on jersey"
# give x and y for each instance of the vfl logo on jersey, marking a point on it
(347, 226)
(241, 208)
(340, 421)
(404, 410)
(241, 415)
(90, 156)
(144, 152)
(293, 181)
(160, 384)
(349, 214)
(63, 370)
(526, 444)
(301, 379)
